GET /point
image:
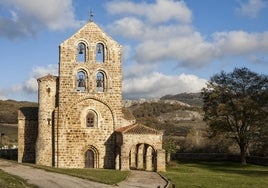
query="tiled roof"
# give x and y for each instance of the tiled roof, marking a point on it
(138, 129)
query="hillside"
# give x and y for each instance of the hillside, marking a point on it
(193, 99)
(9, 110)
(183, 125)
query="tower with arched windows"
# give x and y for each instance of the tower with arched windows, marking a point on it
(80, 123)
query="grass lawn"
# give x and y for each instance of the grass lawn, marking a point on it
(10, 181)
(106, 176)
(217, 175)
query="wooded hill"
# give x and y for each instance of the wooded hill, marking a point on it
(9, 110)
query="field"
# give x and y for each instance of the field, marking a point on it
(217, 174)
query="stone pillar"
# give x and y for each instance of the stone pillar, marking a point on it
(21, 137)
(117, 162)
(125, 163)
(161, 160)
(149, 159)
(140, 157)
(124, 158)
(133, 154)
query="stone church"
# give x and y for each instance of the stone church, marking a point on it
(79, 122)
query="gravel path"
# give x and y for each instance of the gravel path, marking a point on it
(45, 179)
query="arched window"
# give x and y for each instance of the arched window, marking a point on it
(81, 52)
(100, 53)
(91, 119)
(81, 81)
(100, 82)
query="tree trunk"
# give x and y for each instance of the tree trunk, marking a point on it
(243, 154)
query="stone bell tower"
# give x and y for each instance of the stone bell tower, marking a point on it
(90, 99)
(87, 103)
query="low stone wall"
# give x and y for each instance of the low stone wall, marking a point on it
(218, 157)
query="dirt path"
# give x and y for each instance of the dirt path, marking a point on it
(45, 179)
(143, 179)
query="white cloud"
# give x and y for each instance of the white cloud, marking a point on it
(240, 42)
(189, 51)
(178, 40)
(154, 43)
(251, 8)
(30, 85)
(155, 13)
(156, 85)
(29, 16)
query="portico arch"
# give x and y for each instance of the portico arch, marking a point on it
(142, 156)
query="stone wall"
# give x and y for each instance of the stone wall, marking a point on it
(75, 138)
(27, 134)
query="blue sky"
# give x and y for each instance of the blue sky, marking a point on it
(169, 46)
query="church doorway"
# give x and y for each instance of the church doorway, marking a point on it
(89, 159)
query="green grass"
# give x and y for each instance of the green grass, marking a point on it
(107, 176)
(217, 174)
(10, 181)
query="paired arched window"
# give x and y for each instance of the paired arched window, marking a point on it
(81, 52)
(82, 81)
(92, 119)
(81, 84)
(100, 51)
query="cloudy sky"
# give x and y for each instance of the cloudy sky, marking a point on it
(169, 46)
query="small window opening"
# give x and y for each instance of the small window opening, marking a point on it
(81, 52)
(81, 81)
(91, 119)
(100, 53)
(100, 82)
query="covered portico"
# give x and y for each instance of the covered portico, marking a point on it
(139, 147)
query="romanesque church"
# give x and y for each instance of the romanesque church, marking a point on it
(79, 122)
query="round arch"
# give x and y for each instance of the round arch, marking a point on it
(65, 119)
(91, 157)
(142, 156)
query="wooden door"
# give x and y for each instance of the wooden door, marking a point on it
(89, 163)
